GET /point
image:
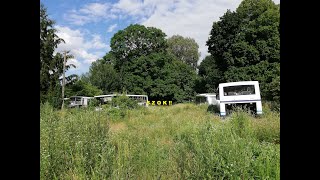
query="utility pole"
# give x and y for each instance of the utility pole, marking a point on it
(63, 78)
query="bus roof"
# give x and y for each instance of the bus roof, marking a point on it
(79, 97)
(206, 94)
(108, 95)
(111, 95)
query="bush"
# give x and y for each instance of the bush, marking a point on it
(116, 113)
(271, 106)
(124, 102)
(94, 103)
(213, 109)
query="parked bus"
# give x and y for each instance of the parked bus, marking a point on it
(140, 99)
(206, 98)
(243, 93)
(78, 101)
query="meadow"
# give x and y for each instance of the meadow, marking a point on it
(183, 141)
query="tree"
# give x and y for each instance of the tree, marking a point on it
(82, 88)
(103, 75)
(264, 72)
(109, 58)
(136, 40)
(162, 77)
(245, 45)
(209, 76)
(133, 42)
(185, 49)
(222, 36)
(51, 64)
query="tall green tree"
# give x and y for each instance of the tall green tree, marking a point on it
(209, 76)
(103, 75)
(131, 43)
(245, 45)
(162, 77)
(82, 88)
(185, 49)
(51, 64)
(136, 40)
(140, 57)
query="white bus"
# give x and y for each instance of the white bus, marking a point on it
(78, 101)
(140, 99)
(206, 98)
(243, 93)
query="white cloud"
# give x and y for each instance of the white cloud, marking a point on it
(132, 7)
(75, 39)
(88, 58)
(95, 9)
(74, 62)
(77, 19)
(93, 12)
(112, 27)
(190, 18)
(85, 50)
(96, 43)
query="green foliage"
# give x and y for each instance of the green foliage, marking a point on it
(275, 91)
(82, 88)
(185, 49)
(74, 145)
(140, 64)
(53, 96)
(116, 114)
(103, 75)
(131, 43)
(245, 45)
(182, 141)
(135, 41)
(229, 150)
(209, 76)
(161, 76)
(124, 102)
(268, 75)
(51, 66)
(93, 103)
(109, 58)
(213, 109)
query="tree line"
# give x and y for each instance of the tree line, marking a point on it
(243, 45)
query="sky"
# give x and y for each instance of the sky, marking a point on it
(87, 26)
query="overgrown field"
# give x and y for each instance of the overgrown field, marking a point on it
(183, 141)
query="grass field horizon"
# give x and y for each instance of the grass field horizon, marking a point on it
(182, 141)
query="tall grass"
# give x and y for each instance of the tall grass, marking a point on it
(183, 141)
(74, 145)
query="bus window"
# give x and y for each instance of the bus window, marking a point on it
(239, 90)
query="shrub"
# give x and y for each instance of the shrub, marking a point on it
(124, 102)
(213, 109)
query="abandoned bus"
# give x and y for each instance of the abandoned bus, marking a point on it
(206, 98)
(141, 99)
(78, 101)
(243, 93)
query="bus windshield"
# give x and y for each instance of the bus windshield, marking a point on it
(239, 90)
